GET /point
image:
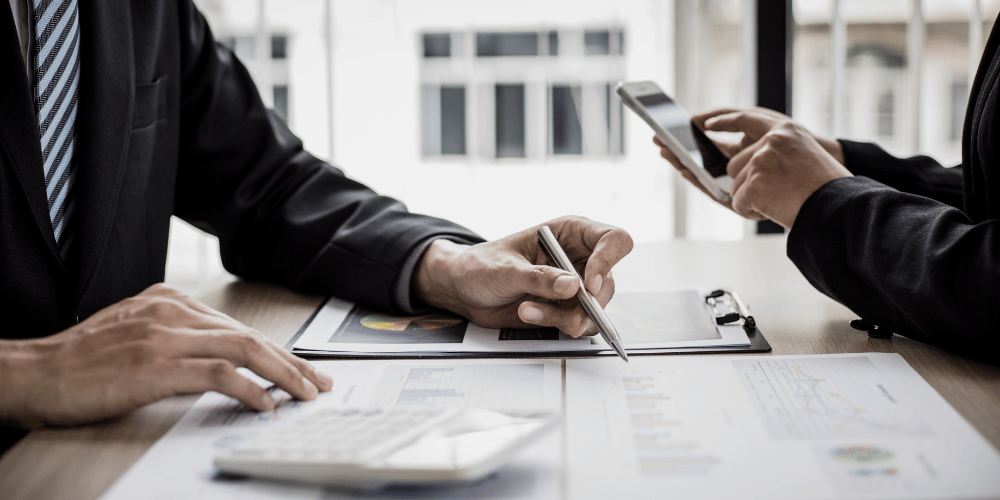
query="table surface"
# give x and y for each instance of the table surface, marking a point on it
(83, 462)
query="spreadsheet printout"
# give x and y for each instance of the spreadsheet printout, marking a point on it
(796, 427)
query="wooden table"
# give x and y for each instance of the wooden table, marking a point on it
(82, 462)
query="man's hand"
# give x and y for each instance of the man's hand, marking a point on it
(775, 165)
(508, 282)
(157, 344)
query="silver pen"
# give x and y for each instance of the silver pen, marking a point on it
(558, 257)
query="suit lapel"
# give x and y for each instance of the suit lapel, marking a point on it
(103, 123)
(19, 129)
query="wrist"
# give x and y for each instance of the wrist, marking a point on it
(434, 282)
(833, 147)
(18, 359)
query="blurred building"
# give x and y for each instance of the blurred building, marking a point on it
(500, 115)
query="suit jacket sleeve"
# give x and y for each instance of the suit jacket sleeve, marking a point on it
(281, 214)
(905, 262)
(919, 175)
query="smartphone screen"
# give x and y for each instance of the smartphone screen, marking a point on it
(675, 120)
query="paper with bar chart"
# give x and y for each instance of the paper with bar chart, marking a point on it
(647, 322)
(830, 426)
(179, 465)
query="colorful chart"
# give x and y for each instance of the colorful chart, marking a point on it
(384, 322)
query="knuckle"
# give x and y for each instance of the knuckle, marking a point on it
(218, 370)
(538, 276)
(250, 346)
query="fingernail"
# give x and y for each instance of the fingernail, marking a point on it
(598, 281)
(268, 401)
(324, 379)
(532, 314)
(585, 327)
(311, 390)
(563, 284)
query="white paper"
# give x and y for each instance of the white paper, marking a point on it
(795, 427)
(645, 321)
(179, 465)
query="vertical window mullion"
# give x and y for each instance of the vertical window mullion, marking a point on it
(975, 38)
(915, 32)
(838, 70)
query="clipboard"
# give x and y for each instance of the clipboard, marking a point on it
(728, 303)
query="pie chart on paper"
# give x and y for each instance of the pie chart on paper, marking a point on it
(424, 322)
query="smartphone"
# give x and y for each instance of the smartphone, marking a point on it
(673, 125)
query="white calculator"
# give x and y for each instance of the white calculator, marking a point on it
(368, 448)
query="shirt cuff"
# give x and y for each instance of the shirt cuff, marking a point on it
(401, 291)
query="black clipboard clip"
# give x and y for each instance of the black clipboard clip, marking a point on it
(737, 310)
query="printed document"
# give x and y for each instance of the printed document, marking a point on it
(646, 321)
(179, 465)
(776, 427)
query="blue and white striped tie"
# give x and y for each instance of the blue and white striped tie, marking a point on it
(57, 74)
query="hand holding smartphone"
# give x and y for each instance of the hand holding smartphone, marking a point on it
(673, 126)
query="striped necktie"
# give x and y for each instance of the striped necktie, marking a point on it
(57, 67)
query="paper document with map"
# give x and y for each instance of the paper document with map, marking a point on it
(179, 465)
(645, 321)
(777, 427)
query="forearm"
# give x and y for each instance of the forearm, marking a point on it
(904, 262)
(920, 175)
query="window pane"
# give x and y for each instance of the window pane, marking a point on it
(506, 44)
(886, 107)
(280, 93)
(437, 45)
(279, 47)
(510, 121)
(567, 135)
(553, 43)
(596, 42)
(453, 120)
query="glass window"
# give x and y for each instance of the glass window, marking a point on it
(553, 43)
(279, 47)
(886, 106)
(510, 120)
(506, 44)
(567, 134)
(453, 120)
(437, 45)
(596, 42)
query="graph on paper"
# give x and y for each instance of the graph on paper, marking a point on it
(819, 398)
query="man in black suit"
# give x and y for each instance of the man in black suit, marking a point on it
(907, 244)
(115, 116)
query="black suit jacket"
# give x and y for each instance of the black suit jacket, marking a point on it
(170, 123)
(910, 245)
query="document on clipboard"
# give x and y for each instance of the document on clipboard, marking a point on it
(650, 322)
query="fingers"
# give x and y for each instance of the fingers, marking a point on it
(198, 375)
(543, 281)
(613, 246)
(700, 118)
(322, 380)
(295, 377)
(600, 245)
(753, 125)
(570, 318)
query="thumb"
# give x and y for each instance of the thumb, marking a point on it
(543, 281)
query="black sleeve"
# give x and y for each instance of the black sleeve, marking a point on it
(281, 214)
(920, 175)
(904, 262)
